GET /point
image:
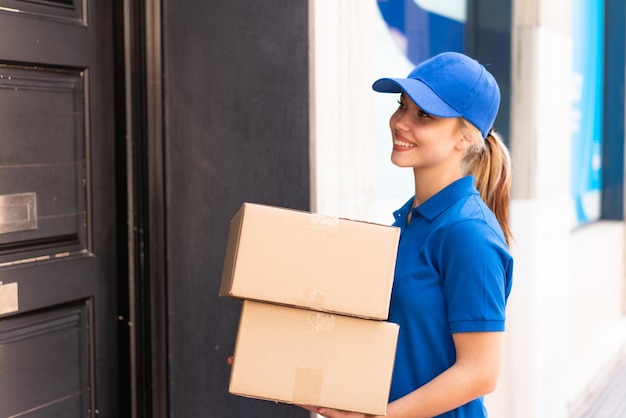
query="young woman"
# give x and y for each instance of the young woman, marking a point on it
(454, 270)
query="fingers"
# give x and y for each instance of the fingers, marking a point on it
(315, 409)
(325, 412)
(307, 407)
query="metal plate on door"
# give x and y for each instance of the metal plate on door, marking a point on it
(18, 212)
(8, 298)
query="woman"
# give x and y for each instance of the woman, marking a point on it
(454, 270)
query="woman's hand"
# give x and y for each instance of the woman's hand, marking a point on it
(335, 413)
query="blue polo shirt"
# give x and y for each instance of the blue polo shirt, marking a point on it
(453, 274)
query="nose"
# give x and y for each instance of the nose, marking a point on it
(399, 120)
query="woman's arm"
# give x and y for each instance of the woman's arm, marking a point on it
(474, 374)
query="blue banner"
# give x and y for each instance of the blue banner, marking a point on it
(422, 29)
(588, 51)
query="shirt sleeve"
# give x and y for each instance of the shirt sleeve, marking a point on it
(476, 277)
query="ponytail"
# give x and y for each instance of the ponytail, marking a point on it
(490, 164)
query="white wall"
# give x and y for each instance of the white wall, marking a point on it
(350, 141)
(540, 146)
(597, 327)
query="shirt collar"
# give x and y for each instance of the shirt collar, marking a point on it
(441, 200)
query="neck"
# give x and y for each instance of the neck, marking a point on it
(427, 184)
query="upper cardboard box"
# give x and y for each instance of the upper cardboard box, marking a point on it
(308, 260)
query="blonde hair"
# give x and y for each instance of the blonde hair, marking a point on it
(488, 160)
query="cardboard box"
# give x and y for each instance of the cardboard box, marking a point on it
(299, 356)
(317, 262)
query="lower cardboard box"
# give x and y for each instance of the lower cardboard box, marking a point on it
(299, 356)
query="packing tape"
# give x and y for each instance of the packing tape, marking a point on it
(321, 322)
(307, 386)
(314, 299)
(324, 223)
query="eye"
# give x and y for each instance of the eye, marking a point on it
(422, 114)
(401, 105)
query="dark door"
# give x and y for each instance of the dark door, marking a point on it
(236, 128)
(58, 338)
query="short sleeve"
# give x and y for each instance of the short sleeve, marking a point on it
(476, 276)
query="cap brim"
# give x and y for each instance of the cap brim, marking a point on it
(419, 92)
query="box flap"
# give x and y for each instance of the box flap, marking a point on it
(234, 231)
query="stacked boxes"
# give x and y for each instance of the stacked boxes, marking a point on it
(316, 292)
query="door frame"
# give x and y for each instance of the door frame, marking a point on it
(143, 294)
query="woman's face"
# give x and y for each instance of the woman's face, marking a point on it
(423, 141)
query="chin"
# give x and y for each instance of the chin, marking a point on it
(399, 162)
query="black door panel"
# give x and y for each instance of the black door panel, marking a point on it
(58, 276)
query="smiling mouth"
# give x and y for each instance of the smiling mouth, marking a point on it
(403, 144)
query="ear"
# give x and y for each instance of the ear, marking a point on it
(462, 143)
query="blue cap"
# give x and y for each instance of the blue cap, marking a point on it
(450, 85)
